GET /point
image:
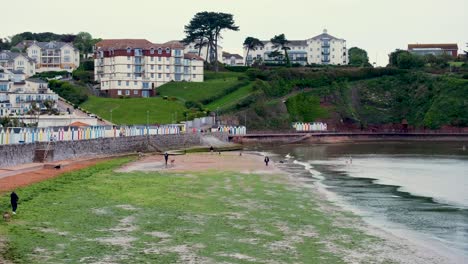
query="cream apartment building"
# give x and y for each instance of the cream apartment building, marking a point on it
(321, 49)
(136, 67)
(52, 56)
(15, 61)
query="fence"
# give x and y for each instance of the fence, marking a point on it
(316, 126)
(30, 135)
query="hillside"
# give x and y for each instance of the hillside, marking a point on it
(273, 98)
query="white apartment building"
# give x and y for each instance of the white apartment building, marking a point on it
(231, 59)
(136, 67)
(193, 49)
(52, 56)
(15, 61)
(17, 94)
(321, 49)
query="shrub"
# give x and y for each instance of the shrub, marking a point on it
(237, 68)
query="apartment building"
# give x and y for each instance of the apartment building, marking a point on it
(232, 59)
(434, 49)
(192, 48)
(15, 61)
(321, 49)
(52, 56)
(136, 67)
(18, 94)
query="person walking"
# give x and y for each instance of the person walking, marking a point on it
(166, 157)
(14, 201)
(267, 159)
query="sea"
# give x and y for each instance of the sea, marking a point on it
(414, 190)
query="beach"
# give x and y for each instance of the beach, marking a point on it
(201, 208)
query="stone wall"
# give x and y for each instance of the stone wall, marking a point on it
(11, 155)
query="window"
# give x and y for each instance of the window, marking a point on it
(152, 67)
(168, 50)
(168, 60)
(159, 67)
(128, 66)
(159, 52)
(193, 67)
(159, 58)
(66, 59)
(128, 58)
(178, 52)
(119, 92)
(167, 67)
(152, 58)
(135, 92)
(194, 76)
(129, 50)
(152, 75)
(67, 51)
(128, 74)
(159, 75)
(127, 92)
(119, 83)
(152, 51)
(127, 83)
(167, 75)
(135, 83)
(145, 85)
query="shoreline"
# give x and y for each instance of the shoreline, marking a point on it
(392, 246)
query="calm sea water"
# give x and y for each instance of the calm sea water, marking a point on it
(416, 190)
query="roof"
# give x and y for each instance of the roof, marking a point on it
(79, 124)
(17, 71)
(10, 56)
(136, 43)
(230, 55)
(35, 80)
(192, 56)
(290, 42)
(446, 46)
(51, 44)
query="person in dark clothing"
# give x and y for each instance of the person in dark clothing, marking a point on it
(211, 149)
(14, 201)
(267, 159)
(166, 157)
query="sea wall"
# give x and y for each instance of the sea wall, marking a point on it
(11, 155)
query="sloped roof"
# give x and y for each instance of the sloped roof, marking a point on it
(445, 46)
(230, 55)
(79, 124)
(10, 56)
(136, 43)
(192, 56)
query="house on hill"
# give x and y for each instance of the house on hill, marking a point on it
(233, 59)
(434, 49)
(136, 67)
(14, 61)
(322, 49)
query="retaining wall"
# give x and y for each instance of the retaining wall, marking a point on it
(11, 155)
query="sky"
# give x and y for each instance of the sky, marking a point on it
(378, 26)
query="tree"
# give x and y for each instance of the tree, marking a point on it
(84, 42)
(4, 44)
(358, 57)
(405, 60)
(280, 42)
(208, 26)
(251, 43)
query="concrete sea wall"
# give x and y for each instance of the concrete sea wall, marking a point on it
(11, 155)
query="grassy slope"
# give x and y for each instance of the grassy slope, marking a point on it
(133, 111)
(97, 214)
(231, 98)
(196, 91)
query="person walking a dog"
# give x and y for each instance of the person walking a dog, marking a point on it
(267, 159)
(14, 201)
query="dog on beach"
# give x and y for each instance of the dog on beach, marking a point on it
(6, 216)
(172, 162)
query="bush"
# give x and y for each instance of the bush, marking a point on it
(88, 65)
(85, 76)
(74, 94)
(254, 73)
(51, 74)
(193, 105)
(237, 68)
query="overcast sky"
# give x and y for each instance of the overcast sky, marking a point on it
(378, 26)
